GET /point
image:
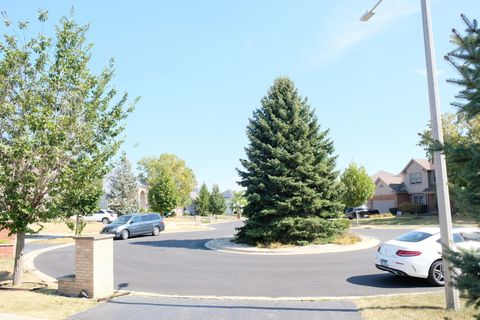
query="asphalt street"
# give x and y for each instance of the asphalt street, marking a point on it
(179, 264)
(154, 308)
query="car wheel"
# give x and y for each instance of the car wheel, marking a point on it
(156, 231)
(125, 234)
(435, 274)
(105, 221)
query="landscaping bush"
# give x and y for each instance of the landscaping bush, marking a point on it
(296, 230)
(393, 211)
(386, 215)
(409, 207)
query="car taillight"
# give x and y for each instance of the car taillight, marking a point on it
(407, 253)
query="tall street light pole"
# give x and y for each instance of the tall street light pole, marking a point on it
(443, 198)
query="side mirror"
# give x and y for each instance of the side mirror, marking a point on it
(132, 222)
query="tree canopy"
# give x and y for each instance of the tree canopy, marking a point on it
(358, 187)
(457, 131)
(59, 126)
(174, 167)
(162, 194)
(289, 174)
(202, 203)
(216, 202)
(464, 155)
(122, 187)
(238, 201)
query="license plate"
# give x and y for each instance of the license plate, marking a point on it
(384, 262)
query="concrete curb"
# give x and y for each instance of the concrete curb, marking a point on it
(225, 245)
(260, 298)
(30, 265)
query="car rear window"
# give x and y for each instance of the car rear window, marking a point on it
(413, 236)
(471, 236)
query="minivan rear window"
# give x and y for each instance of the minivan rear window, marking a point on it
(413, 236)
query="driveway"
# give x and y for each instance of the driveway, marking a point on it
(179, 264)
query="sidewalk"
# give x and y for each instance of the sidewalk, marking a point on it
(160, 308)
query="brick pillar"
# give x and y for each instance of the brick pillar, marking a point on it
(7, 244)
(93, 268)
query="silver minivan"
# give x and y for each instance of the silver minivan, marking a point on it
(135, 224)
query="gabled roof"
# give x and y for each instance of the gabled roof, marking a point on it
(394, 182)
(381, 174)
(398, 187)
(390, 179)
(424, 163)
(227, 194)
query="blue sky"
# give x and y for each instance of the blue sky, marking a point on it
(201, 68)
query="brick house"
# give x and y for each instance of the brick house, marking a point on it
(414, 184)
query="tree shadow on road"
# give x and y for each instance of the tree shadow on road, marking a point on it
(197, 244)
(389, 281)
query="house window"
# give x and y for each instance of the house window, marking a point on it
(415, 178)
(419, 199)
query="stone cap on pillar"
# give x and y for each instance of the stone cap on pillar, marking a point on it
(95, 237)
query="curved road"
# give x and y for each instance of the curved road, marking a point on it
(179, 264)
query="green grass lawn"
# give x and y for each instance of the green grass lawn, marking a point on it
(430, 306)
(411, 220)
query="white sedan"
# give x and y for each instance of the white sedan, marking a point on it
(418, 253)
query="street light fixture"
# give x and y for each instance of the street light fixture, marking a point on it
(367, 15)
(443, 198)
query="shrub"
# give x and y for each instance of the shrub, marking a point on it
(393, 210)
(409, 207)
(386, 215)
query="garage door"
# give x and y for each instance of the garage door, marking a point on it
(383, 205)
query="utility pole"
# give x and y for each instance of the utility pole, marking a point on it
(443, 198)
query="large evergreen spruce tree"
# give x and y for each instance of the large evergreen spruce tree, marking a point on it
(289, 174)
(465, 155)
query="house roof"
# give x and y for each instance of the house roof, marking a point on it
(381, 174)
(424, 163)
(391, 179)
(398, 187)
(227, 194)
(193, 195)
(394, 182)
(430, 189)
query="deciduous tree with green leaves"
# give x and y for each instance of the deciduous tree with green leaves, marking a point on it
(202, 203)
(238, 201)
(216, 201)
(59, 127)
(465, 155)
(358, 187)
(457, 130)
(171, 165)
(291, 183)
(122, 187)
(162, 194)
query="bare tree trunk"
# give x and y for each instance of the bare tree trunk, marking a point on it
(18, 267)
(77, 221)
